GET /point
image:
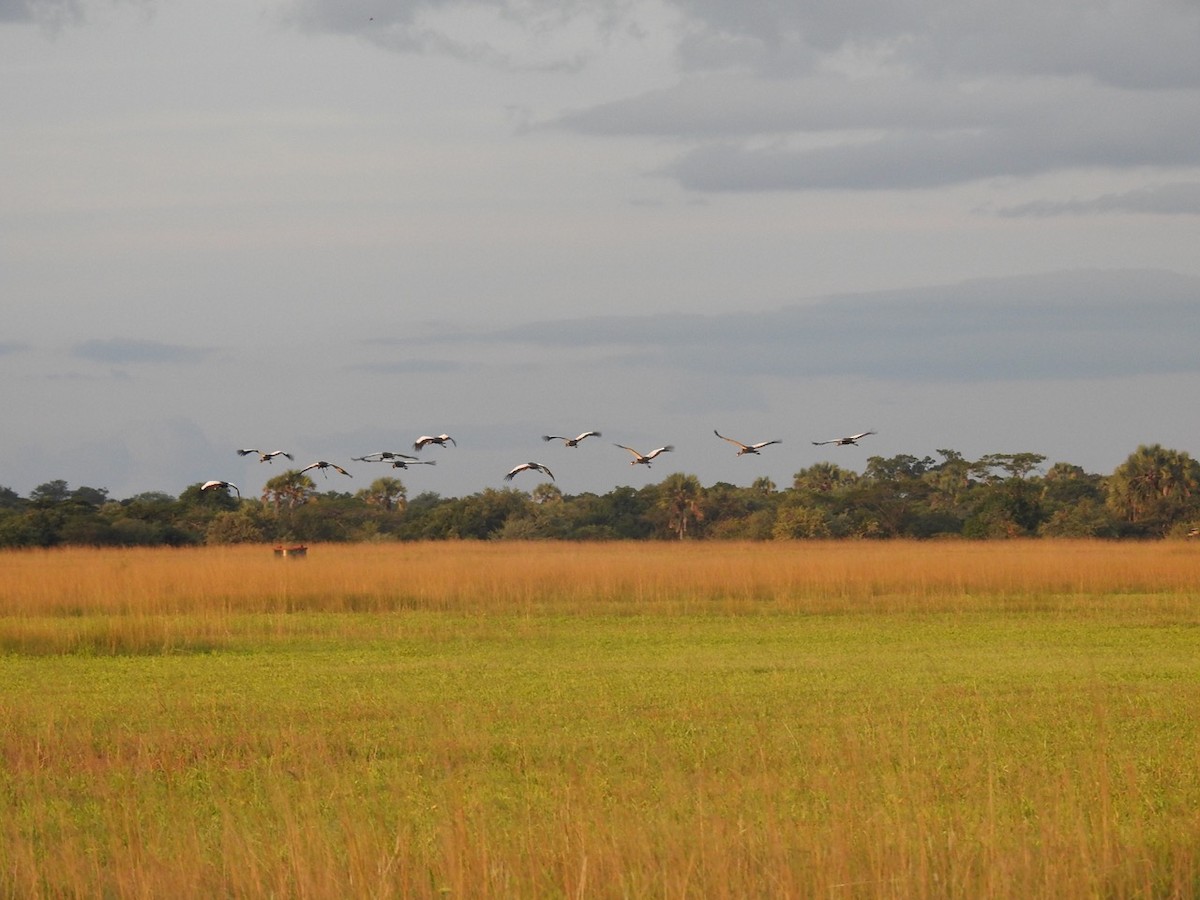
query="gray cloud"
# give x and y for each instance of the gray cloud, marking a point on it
(131, 350)
(417, 26)
(882, 133)
(44, 12)
(1065, 325)
(10, 347)
(1149, 44)
(1167, 199)
(407, 367)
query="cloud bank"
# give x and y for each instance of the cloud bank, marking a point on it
(1086, 324)
(128, 350)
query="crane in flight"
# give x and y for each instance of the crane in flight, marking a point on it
(382, 456)
(409, 461)
(321, 464)
(224, 485)
(644, 458)
(265, 456)
(440, 440)
(746, 448)
(570, 442)
(528, 467)
(852, 439)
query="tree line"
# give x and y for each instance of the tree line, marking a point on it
(1154, 493)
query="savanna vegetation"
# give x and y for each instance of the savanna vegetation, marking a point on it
(616, 719)
(1154, 493)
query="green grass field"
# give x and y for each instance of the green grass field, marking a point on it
(794, 742)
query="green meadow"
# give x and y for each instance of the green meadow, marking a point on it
(532, 720)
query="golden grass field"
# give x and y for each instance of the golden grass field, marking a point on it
(853, 719)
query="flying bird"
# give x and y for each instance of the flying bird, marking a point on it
(529, 466)
(266, 455)
(440, 440)
(381, 456)
(209, 485)
(409, 461)
(570, 442)
(746, 448)
(644, 460)
(321, 464)
(845, 441)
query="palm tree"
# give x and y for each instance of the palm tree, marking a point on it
(682, 498)
(388, 493)
(287, 490)
(823, 478)
(1155, 487)
(763, 485)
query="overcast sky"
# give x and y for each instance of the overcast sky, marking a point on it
(331, 226)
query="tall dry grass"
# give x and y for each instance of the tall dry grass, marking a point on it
(602, 720)
(589, 578)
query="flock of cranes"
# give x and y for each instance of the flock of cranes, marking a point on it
(399, 460)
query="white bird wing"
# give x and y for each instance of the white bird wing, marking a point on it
(654, 453)
(630, 449)
(588, 434)
(246, 452)
(762, 444)
(731, 440)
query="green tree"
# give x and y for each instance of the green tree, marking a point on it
(797, 521)
(234, 528)
(681, 498)
(824, 478)
(1154, 488)
(387, 493)
(288, 490)
(50, 493)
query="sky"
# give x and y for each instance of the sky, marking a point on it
(332, 226)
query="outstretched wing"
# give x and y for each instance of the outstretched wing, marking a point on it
(731, 440)
(246, 452)
(654, 453)
(587, 434)
(630, 449)
(764, 444)
(208, 485)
